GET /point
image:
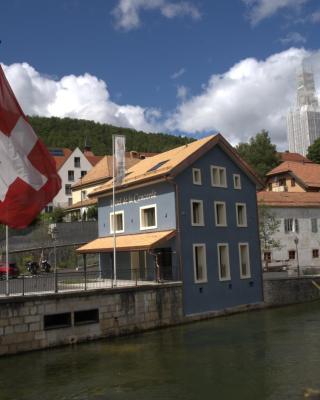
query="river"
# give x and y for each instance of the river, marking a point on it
(271, 354)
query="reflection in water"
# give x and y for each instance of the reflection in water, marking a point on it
(270, 354)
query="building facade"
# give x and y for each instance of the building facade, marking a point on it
(298, 233)
(72, 165)
(188, 214)
(294, 176)
(303, 123)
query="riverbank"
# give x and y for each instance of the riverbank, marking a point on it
(44, 321)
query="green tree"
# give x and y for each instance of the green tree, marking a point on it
(268, 226)
(57, 215)
(259, 153)
(92, 213)
(314, 151)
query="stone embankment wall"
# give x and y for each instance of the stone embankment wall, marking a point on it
(30, 323)
(43, 321)
(279, 292)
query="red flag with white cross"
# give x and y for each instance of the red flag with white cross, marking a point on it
(28, 174)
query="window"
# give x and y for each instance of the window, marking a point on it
(292, 254)
(293, 182)
(282, 182)
(67, 189)
(157, 166)
(119, 217)
(77, 162)
(244, 260)
(83, 173)
(223, 261)
(218, 176)
(291, 225)
(236, 181)
(314, 225)
(196, 176)
(199, 263)
(86, 317)
(197, 213)
(57, 321)
(270, 187)
(267, 256)
(69, 201)
(241, 213)
(83, 195)
(220, 213)
(71, 176)
(315, 253)
(148, 217)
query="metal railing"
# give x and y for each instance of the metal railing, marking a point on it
(67, 281)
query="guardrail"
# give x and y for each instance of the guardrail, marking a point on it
(67, 281)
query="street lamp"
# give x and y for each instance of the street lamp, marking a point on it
(53, 231)
(296, 241)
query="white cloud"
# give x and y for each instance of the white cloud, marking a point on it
(179, 73)
(84, 97)
(127, 12)
(294, 38)
(315, 17)
(182, 92)
(251, 96)
(261, 9)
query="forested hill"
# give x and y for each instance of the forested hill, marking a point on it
(72, 133)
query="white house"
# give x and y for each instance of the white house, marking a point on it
(299, 216)
(71, 166)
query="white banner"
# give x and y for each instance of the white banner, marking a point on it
(119, 155)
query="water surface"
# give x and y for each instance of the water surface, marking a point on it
(273, 354)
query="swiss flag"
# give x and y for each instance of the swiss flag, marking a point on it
(28, 175)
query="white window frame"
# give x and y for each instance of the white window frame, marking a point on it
(205, 276)
(228, 277)
(143, 228)
(194, 181)
(245, 224)
(246, 244)
(121, 212)
(235, 186)
(201, 223)
(219, 184)
(216, 214)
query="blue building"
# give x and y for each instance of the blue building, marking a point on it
(188, 214)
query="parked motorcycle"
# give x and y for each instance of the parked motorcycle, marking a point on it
(45, 266)
(32, 267)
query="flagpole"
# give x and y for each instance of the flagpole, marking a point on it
(7, 260)
(113, 215)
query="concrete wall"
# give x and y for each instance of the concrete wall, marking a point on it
(278, 292)
(215, 294)
(121, 311)
(308, 240)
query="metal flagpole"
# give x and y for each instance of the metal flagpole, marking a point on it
(7, 260)
(113, 215)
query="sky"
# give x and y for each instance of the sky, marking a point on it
(187, 67)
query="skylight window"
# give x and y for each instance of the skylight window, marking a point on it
(157, 166)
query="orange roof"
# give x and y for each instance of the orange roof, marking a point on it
(93, 160)
(139, 241)
(307, 173)
(102, 171)
(60, 160)
(289, 199)
(287, 156)
(172, 162)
